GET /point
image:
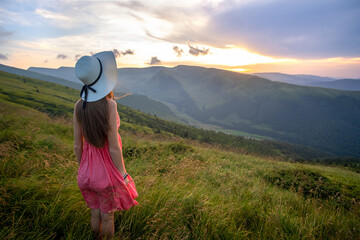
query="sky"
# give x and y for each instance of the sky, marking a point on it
(319, 37)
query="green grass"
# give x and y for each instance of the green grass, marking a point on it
(186, 190)
(44, 96)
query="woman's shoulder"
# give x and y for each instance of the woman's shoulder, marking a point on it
(112, 106)
(112, 103)
(78, 102)
(76, 105)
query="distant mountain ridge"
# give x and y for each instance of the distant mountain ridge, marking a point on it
(44, 77)
(341, 84)
(62, 72)
(313, 81)
(317, 117)
(298, 79)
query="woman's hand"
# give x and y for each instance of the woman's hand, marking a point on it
(126, 181)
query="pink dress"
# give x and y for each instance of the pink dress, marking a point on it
(101, 183)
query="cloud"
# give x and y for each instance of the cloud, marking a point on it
(300, 29)
(51, 15)
(4, 35)
(77, 56)
(196, 51)
(46, 61)
(61, 56)
(160, 10)
(62, 16)
(278, 28)
(118, 53)
(2, 56)
(128, 52)
(178, 51)
(170, 21)
(154, 61)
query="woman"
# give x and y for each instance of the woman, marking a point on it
(102, 176)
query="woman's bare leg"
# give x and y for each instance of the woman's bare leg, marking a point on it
(107, 225)
(95, 222)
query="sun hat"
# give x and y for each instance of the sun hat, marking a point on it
(99, 74)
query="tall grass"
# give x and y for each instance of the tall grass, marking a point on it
(185, 191)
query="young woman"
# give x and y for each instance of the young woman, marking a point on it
(102, 177)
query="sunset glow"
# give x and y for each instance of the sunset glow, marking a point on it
(223, 34)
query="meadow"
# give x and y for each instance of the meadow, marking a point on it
(188, 189)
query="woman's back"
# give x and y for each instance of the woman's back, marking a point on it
(100, 182)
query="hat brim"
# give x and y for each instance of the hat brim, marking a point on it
(107, 80)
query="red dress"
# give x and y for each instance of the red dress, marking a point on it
(101, 183)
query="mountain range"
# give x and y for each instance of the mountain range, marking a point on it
(42, 76)
(323, 118)
(312, 80)
(342, 84)
(317, 117)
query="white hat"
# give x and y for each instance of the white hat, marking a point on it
(98, 73)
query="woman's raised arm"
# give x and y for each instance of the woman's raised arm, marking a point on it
(114, 145)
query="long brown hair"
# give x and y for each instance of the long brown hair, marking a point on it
(94, 120)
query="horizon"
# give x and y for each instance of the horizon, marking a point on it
(252, 73)
(222, 34)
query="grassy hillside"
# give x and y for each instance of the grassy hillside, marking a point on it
(185, 192)
(44, 96)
